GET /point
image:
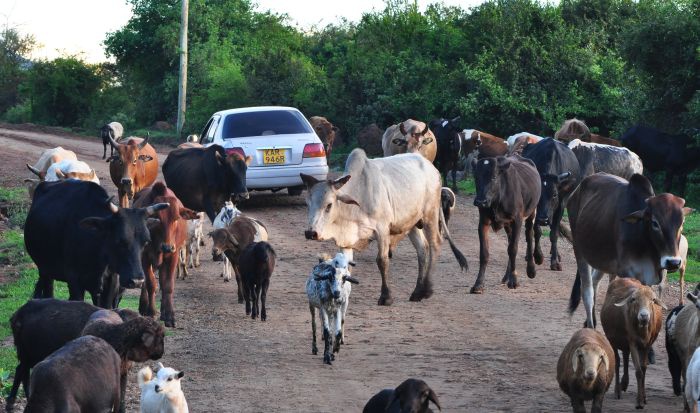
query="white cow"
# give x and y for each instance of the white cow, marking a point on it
(71, 169)
(511, 139)
(382, 199)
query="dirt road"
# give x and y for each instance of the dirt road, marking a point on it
(480, 353)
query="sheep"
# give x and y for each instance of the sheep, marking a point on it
(631, 318)
(256, 264)
(692, 385)
(163, 393)
(42, 326)
(584, 371)
(682, 338)
(138, 339)
(189, 253)
(412, 396)
(328, 289)
(81, 376)
(223, 219)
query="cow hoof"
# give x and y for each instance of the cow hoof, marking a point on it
(415, 297)
(240, 301)
(314, 351)
(652, 356)
(625, 382)
(169, 323)
(504, 279)
(531, 271)
(226, 280)
(327, 359)
(555, 266)
(539, 258)
(385, 301)
(513, 285)
(477, 290)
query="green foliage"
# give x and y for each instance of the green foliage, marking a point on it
(14, 48)
(691, 230)
(17, 202)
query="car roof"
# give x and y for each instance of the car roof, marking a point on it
(255, 109)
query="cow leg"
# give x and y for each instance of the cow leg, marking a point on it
(513, 238)
(263, 297)
(255, 291)
(587, 292)
(529, 235)
(76, 293)
(338, 325)
(166, 280)
(327, 353)
(484, 225)
(147, 301)
(682, 181)
(454, 176)
(43, 287)
(539, 257)
(555, 264)
(506, 275)
(618, 393)
(668, 181)
(209, 209)
(639, 358)
(419, 243)
(625, 370)
(104, 150)
(239, 282)
(383, 264)
(596, 277)
(314, 349)
(21, 376)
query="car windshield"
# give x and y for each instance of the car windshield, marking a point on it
(264, 123)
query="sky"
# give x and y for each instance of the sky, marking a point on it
(78, 27)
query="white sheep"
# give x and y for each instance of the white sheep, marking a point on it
(692, 382)
(328, 288)
(163, 393)
(226, 215)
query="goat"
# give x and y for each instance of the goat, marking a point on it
(60, 383)
(584, 371)
(189, 253)
(328, 289)
(631, 318)
(162, 394)
(682, 338)
(138, 339)
(411, 396)
(226, 215)
(256, 263)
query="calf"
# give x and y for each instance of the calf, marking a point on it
(449, 145)
(560, 175)
(631, 318)
(593, 158)
(328, 289)
(189, 253)
(410, 136)
(134, 168)
(664, 152)
(412, 396)
(169, 235)
(620, 227)
(60, 384)
(326, 131)
(507, 191)
(112, 131)
(257, 263)
(223, 219)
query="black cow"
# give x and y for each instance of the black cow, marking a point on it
(448, 147)
(663, 152)
(507, 191)
(560, 174)
(205, 178)
(75, 234)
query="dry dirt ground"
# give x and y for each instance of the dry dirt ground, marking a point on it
(480, 353)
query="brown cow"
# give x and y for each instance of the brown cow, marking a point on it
(370, 139)
(326, 132)
(168, 235)
(133, 168)
(595, 138)
(233, 239)
(484, 144)
(620, 227)
(409, 136)
(573, 129)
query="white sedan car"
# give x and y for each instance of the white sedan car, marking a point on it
(280, 140)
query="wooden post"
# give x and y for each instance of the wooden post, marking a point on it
(182, 89)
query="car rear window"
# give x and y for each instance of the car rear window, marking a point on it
(264, 123)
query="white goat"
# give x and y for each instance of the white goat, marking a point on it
(189, 253)
(226, 215)
(328, 288)
(163, 393)
(692, 385)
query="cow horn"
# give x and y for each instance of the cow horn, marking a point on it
(151, 210)
(111, 205)
(455, 119)
(145, 141)
(402, 129)
(34, 170)
(351, 279)
(433, 398)
(427, 128)
(112, 142)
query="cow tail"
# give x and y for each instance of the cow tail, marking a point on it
(446, 233)
(565, 231)
(575, 294)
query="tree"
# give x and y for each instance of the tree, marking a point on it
(14, 49)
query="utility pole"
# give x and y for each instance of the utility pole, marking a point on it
(182, 89)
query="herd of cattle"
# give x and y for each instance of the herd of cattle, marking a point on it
(618, 225)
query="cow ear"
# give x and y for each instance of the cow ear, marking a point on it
(248, 160)
(425, 130)
(563, 177)
(402, 129)
(427, 141)
(186, 213)
(346, 199)
(399, 142)
(433, 398)
(145, 158)
(338, 183)
(180, 374)
(687, 211)
(634, 217)
(94, 224)
(308, 180)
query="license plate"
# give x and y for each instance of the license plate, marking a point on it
(273, 156)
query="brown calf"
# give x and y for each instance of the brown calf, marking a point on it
(133, 168)
(168, 236)
(326, 132)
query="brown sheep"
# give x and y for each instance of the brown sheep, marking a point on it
(584, 370)
(631, 318)
(81, 376)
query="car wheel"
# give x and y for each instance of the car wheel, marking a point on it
(295, 191)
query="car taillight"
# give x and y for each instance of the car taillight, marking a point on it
(314, 150)
(239, 151)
